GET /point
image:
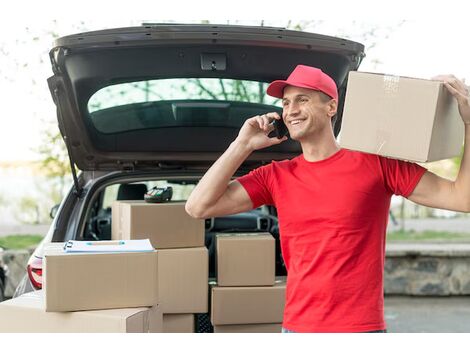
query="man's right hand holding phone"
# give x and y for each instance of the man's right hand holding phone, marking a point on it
(255, 131)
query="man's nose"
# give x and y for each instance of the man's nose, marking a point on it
(291, 110)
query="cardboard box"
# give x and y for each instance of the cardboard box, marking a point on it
(178, 323)
(248, 305)
(400, 117)
(85, 281)
(248, 328)
(245, 259)
(27, 314)
(182, 280)
(167, 225)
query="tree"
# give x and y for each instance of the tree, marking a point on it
(29, 210)
(54, 157)
(35, 208)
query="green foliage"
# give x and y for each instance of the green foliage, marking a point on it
(234, 90)
(458, 160)
(428, 236)
(35, 209)
(29, 211)
(20, 241)
(54, 162)
(54, 157)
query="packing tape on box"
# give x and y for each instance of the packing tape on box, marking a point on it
(390, 88)
(391, 84)
(381, 139)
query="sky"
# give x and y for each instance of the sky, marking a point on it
(421, 47)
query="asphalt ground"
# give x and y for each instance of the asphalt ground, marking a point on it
(405, 314)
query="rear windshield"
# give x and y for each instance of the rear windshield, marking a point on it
(178, 102)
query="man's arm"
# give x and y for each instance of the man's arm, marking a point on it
(215, 194)
(437, 192)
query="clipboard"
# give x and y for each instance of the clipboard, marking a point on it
(119, 246)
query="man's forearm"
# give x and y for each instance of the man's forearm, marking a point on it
(462, 183)
(214, 183)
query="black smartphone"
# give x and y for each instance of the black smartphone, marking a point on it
(280, 128)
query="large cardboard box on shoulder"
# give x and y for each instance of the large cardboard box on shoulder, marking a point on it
(400, 117)
(179, 323)
(167, 225)
(182, 280)
(248, 305)
(27, 314)
(85, 281)
(245, 259)
(248, 328)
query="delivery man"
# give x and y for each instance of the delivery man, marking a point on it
(332, 203)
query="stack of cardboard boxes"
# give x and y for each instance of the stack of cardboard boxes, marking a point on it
(156, 291)
(89, 292)
(246, 297)
(183, 260)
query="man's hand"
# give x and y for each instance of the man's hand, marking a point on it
(255, 130)
(437, 192)
(460, 91)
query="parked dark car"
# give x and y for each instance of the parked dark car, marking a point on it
(156, 105)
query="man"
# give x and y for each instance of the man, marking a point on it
(332, 203)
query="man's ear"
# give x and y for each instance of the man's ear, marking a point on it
(332, 108)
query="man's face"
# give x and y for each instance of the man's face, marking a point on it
(306, 112)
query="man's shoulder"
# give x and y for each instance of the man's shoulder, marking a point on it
(285, 164)
(359, 154)
(366, 157)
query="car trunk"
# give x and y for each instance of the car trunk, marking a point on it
(135, 135)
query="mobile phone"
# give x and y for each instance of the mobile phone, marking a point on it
(280, 128)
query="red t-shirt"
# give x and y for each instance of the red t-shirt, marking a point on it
(333, 218)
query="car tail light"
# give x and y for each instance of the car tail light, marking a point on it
(35, 272)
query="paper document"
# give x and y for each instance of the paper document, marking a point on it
(108, 246)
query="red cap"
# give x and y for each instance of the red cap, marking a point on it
(305, 77)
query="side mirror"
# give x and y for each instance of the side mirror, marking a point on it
(53, 211)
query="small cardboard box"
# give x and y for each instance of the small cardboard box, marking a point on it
(85, 281)
(245, 259)
(400, 117)
(182, 280)
(27, 314)
(248, 328)
(178, 323)
(248, 305)
(167, 225)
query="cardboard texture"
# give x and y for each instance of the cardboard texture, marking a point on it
(182, 280)
(167, 225)
(400, 117)
(245, 259)
(247, 305)
(248, 328)
(178, 323)
(85, 281)
(27, 314)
